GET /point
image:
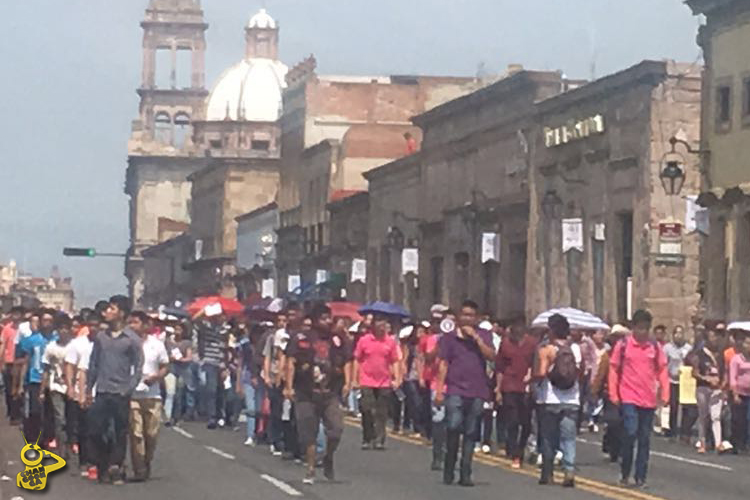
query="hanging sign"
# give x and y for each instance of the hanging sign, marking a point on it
(572, 234)
(293, 282)
(410, 261)
(490, 247)
(267, 288)
(359, 270)
(321, 276)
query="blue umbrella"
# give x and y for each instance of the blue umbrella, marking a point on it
(384, 308)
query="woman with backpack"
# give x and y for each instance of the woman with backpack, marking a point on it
(559, 366)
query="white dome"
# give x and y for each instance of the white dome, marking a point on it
(249, 90)
(262, 20)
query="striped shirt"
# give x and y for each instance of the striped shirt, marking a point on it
(212, 341)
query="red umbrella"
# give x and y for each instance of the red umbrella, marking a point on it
(229, 307)
(346, 309)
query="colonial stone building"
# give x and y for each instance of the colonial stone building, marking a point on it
(604, 235)
(469, 180)
(725, 152)
(333, 129)
(227, 141)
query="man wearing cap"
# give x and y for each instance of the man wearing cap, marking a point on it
(376, 367)
(463, 386)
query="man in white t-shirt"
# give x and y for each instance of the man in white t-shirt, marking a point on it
(146, 404)
(53, 383)
(77, 354)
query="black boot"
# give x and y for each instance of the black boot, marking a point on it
(547, 470)
(451, 455)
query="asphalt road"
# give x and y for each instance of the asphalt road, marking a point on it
(193, 463)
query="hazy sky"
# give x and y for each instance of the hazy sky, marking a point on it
(70, 69)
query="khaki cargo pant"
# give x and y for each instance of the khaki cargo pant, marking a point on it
(145, 420)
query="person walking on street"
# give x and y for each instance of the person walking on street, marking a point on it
(464, 387)
(708, 370)
(559, 366)
(318, 373)
(429, 363)
(212, 332)
(30, 350)
(53, 385)
(146, 405)
(638, 383)
(676, 351)
(376, 367)
(115, 368)
(739, 382)
(273, 373)
(180, 352)
(8, 340)
(77, 357)
(513, 365)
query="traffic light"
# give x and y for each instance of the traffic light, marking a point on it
(79, 252)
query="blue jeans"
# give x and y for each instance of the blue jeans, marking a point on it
(558, 424)
(253, 406)
(462, 418)
(637, 423)
(320, 441)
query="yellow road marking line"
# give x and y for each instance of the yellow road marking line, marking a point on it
(582, 483)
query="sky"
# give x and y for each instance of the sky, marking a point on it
(70, 70)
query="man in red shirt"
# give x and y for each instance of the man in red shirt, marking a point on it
(376, 365)
(637, 371)
(8, 339)
(513, 373)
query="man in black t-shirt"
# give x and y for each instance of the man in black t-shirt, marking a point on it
(318, 371)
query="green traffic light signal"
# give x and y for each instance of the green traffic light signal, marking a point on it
(79, 252)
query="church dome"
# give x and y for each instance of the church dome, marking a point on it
(249, 90)
(262, 20)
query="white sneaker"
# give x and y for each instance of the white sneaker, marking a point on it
(558, 457)
(539, 460)
(275, 452)
(486, 448)
(249, 442)
(221, 422)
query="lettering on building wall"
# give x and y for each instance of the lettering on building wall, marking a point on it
(573, 130)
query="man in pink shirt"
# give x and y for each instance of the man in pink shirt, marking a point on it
(638, 370)
(376, 365)
(7, 361)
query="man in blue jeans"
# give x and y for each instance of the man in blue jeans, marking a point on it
(463, 386)
(636, 362)
(212, 332)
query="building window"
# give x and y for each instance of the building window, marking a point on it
(321, 241)
(723, 108)
(163, 128)
(181, 129)
(215, 143)
(746, 101)
(260, 145)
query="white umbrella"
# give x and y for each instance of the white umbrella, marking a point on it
(577, 319)
(739, 325)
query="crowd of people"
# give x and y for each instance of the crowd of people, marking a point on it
(92, 384)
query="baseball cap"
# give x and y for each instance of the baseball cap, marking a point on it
(437, 311)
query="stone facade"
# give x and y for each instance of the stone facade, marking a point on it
(596, 155)
(334, 128)
(348, 229)
(469, 178)
(724, 151)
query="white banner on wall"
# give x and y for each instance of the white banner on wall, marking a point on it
(410, 261)
(321, 276)
(599, 231)
(490, 247)
(268, 288)
(293, 282)
(572, 234)
(359, 270)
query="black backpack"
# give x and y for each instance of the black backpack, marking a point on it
(565, 371)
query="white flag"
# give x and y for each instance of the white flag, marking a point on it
(321, 276)
(267, 288)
